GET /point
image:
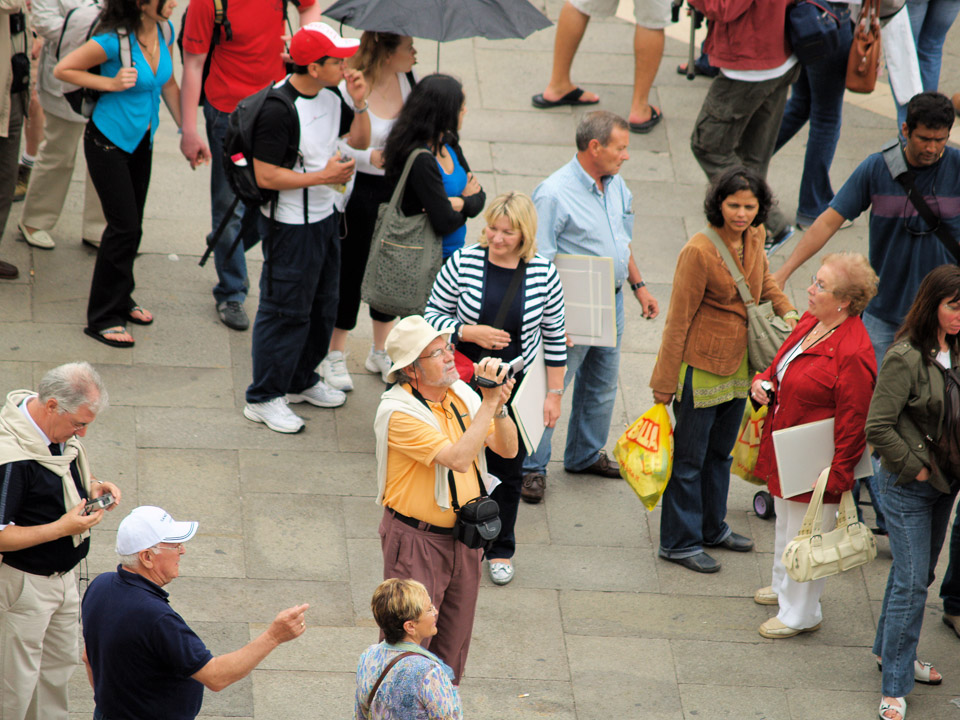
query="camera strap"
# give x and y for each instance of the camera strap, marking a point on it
(453, 486)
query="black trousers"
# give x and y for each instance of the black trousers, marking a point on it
(121, 180)
(360, 218)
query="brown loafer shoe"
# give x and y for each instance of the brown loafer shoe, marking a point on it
(603, 466)
(531, 490)
(8, 271)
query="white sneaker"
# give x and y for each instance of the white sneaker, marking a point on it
(333, 368)
(378, 362)
(321, 395)
(275, 415)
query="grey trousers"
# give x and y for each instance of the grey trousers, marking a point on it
(738, 125)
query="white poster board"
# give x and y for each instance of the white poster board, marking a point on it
(527, 403)
(588, 297)
(803, 451)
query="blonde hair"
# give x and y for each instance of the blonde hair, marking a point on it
(518, 208)
(858, 282)
(375, 48)
(394, 602)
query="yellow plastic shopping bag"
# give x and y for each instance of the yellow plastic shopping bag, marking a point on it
(747, 447)
(645, 454)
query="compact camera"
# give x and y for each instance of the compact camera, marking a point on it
(513, 367)
(100, 503)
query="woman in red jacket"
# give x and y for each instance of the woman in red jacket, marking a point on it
(825, 369)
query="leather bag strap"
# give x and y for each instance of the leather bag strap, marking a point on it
(812, 519)
(388, 668)
(508, 296)
(728, 260)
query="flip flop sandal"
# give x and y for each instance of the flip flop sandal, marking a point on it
(901, 709)
(921, 672)
(644, 127)
(135, 321)
(571, 98)
(101, 336)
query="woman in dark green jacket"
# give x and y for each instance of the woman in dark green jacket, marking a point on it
(906, 419)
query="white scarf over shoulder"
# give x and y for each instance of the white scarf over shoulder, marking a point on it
(19, 441)
(396, 399)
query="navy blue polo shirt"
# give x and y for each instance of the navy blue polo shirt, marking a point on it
(141, 651)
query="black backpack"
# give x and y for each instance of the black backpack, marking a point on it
(238, 166)
(947, 447)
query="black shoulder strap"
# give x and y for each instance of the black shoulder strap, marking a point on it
(411, 79)
(515, 280)
(897, 166)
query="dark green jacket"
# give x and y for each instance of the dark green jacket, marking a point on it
(905, 413)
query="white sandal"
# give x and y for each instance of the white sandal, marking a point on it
(900, 709)
(921, 672)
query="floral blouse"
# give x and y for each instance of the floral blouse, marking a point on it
(418, 687)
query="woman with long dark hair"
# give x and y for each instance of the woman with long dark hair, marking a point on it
(905, 424)
(386, 61)
(118, 145)
(442, 185)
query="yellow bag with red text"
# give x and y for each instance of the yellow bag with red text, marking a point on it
(645, 454)
(747, 447)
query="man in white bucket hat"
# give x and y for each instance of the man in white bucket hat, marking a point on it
(142, 659)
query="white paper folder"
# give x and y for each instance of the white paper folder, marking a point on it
(803, 451)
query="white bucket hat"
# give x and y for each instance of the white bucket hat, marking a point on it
(407, 340)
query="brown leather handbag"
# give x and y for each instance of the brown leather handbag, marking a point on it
(864, 61)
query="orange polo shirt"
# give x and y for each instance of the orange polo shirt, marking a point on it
(412, 447)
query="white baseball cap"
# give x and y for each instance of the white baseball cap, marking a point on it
(148, 525)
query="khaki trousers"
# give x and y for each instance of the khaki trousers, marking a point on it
(39, 643)
(50, 180)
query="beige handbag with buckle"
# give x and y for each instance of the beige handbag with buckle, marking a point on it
(813, 554)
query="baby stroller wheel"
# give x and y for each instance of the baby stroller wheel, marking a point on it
(763, 504)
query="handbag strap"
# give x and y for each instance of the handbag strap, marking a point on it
(388, 668)
(509, 295)
(727, 258)
(397, 196)
(906, 178)
(812, 519)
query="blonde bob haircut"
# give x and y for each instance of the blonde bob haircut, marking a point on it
(519, 210)
(394, 602)
(858, 281)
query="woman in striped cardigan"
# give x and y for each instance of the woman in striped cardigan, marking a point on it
(467, 297)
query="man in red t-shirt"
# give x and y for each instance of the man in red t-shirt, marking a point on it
(239, 67)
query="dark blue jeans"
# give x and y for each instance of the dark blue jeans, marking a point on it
(917, 517)
(231, 268)
(817, 96)
(694, 508)
(298, 305)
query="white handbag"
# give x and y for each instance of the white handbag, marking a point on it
(813, 554)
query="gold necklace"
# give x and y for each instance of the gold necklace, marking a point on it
(156, 45)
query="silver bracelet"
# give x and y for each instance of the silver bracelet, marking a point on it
(359, 111)
(554, 391)
(501, 413)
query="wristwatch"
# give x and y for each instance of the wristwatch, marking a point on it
(637, 285)
(501, 413)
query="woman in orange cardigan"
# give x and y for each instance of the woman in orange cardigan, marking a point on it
(703, 364)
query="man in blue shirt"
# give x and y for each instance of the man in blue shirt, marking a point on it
(584, 208)
(144, 662)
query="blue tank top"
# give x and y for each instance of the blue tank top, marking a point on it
(454, 183)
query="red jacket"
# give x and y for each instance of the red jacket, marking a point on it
(746, 34)
(834, 378)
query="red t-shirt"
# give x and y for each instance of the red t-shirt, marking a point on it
(248, 62)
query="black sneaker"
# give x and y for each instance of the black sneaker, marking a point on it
(773, 243)
(233, 315)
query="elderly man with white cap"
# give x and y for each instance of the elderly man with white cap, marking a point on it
(144, 662)
(431, 430)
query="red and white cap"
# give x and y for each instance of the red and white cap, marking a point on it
(148, 525)
(317, 40)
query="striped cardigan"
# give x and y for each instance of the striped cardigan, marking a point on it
(457, 297)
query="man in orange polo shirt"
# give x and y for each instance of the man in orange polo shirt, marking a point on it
(428, 425)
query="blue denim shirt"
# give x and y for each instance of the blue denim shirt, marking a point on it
(574, 217)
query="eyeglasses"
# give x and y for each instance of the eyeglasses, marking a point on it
(178, 547)
(815, 281)
(448, 348)
(916, 225)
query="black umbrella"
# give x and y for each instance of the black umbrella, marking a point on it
(442, 20)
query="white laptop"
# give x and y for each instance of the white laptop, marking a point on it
(803, 451)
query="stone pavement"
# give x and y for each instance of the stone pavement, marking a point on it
(594, 626)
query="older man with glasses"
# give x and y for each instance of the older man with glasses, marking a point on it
(431, 430)
(45, 484)
(142, 659)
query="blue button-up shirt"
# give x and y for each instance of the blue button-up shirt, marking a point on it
(574, 217)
